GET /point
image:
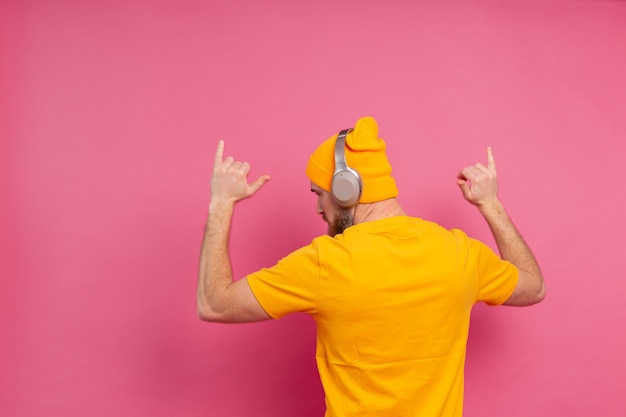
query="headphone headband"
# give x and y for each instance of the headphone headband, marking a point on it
(346, 185)
(340, 153)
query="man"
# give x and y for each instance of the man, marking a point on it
(391, 294)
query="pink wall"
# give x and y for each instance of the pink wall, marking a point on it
(110, 115)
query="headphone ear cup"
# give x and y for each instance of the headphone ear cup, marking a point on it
(346, 188)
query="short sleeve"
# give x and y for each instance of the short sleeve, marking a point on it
(496, 277)
(292, 285)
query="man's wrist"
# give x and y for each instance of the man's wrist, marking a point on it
(220, 204)
(491, 208)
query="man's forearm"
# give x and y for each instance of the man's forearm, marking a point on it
(511, 244)
(215, 273)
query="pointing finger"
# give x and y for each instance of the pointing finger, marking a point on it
(219, 153)
(491, 160)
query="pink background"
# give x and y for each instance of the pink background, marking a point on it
(111, 112)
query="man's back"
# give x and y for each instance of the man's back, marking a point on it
(392, 301)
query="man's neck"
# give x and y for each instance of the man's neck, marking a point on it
(376, 211)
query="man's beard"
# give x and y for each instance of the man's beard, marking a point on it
(343, 220)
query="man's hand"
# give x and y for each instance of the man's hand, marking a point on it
(229, 182)
(479, 183)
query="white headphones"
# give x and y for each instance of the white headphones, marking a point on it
(346, 186)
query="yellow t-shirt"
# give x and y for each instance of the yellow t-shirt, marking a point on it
(392, 301)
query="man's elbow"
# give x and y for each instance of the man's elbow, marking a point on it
(541, 294)
(530, 290)
(537, 295)
(210, 314)
(205, 314)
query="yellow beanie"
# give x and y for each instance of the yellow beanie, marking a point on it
(365, 153)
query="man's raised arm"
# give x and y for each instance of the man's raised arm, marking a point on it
(220, 298)
(479, 186)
